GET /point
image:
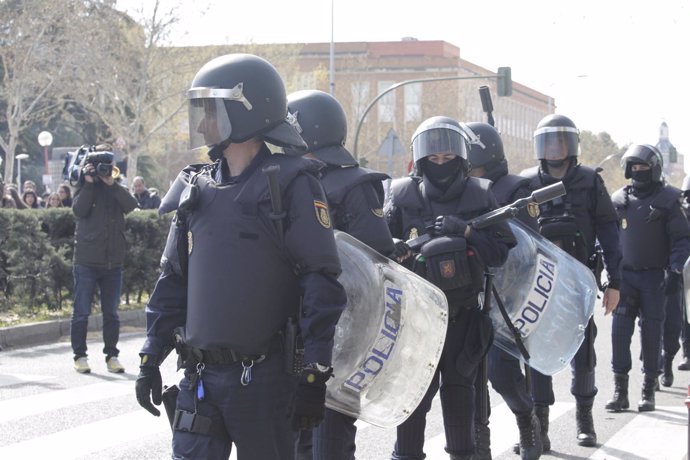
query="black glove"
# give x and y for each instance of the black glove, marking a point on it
(310, 399)
(672, 282)
(401, 251)
(450, 225)
(149, 386)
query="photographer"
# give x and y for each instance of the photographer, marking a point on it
(100, 205)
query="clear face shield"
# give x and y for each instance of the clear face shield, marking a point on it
(556, 143)
(209, 124)
(439, 139)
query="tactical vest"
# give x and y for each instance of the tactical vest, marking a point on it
(242, 286)
(569, 220)
(644, 238)
(418, 214)
(506, 186)
(337, 182)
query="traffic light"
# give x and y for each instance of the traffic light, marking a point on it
(505, 82)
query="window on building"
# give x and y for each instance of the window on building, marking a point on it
(413, 102)
(360, 98)
(386, 105)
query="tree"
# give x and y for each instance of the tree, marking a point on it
(38, 53)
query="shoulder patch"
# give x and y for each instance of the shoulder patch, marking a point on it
(378, 212)
(322, 214)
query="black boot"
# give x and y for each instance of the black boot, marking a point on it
(646, 404)
(530, 447)
(585, 425)
(620, 394)
(667, 376)
(482, 441)
(462, 457)
(685, 364)
(542, 413)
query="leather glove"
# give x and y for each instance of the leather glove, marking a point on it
(672, 282)
(450, 225)
(310, 399)
(149, 386)
(401, 250)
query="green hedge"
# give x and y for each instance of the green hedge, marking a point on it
(36, 249)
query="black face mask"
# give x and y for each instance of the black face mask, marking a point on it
(641, 179)
(556, 163)
(442, 175)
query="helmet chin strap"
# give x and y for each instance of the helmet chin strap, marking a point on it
(216, 152)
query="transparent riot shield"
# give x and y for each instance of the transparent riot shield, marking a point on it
(686, 289)
(388, 340)
(549, 297)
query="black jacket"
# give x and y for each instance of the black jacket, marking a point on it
(100, 234)
(147, 200)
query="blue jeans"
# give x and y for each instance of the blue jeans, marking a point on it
(109, 283)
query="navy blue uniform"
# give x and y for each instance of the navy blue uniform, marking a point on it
(244, 280)
(355, 199)
(574, 222)
(411, 208)
(505, 373)
(655, 236)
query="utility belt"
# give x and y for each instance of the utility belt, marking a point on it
(189, 357)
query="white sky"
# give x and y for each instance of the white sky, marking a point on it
(617, 66)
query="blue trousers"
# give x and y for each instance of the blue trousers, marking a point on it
(641, 296)
(457, 402)
(109, 283)
(673, 323)
(582, 381)
(256, 416)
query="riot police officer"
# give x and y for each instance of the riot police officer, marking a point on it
(655, 241)
(685, 329)
(574, 222)
(439, 200)
(487, 160)
(355, 200)
(248, 269)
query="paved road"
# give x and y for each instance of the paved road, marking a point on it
(49, 411)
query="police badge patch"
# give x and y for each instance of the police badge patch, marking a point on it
(378, 212)
(413, 233)
(533, 210)
(322, 214)
(624, 223)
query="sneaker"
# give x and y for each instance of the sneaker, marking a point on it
(81, 365)
(114, 366)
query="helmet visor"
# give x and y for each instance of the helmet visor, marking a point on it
(209, 124)
(444, 139)
(556, 143)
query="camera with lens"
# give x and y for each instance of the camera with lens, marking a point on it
(101, 161)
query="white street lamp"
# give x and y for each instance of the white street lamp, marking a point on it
(19, 158)
(45, 139)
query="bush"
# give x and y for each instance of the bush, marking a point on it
(36, 248)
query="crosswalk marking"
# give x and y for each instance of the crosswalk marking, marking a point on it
(14, 409)
(504, 432)
(85, 439)
(14, 379)
(659, 435)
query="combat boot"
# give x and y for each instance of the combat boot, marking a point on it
(585, 425)
(542, 413)
(530, 446)
(482, 441)
(620, 394)
(685, 364)
(667, 375)
(646, 404)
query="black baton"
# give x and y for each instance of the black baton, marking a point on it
(277, 215)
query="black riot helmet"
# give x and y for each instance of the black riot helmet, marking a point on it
(322, 123)
(642, 154)
(487, 150)
(236, 97)
(556, 138)
(438, 135)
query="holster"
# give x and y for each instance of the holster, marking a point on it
(293, 348)
(479, 336)
(169, 396)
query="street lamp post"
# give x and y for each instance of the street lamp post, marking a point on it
(45, 139)
(19, 158)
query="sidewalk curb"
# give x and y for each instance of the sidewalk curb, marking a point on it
(25, 335)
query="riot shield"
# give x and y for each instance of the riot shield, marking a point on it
(389, 339)
(549, 297)
(686, 290)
